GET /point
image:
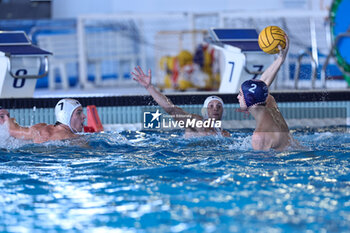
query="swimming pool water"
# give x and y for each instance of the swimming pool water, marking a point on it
(159, 182)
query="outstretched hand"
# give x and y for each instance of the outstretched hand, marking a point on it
(139, 76)
(4, 116)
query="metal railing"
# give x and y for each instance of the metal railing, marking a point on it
(313, 69)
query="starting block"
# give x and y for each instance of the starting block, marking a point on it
(21, 64)
(243, 58)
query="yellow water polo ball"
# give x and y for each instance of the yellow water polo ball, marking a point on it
(269, 39)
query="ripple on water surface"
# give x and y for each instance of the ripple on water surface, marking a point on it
(160, 182)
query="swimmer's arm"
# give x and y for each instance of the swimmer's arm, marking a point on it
(166, 103)
(163, 101)
(24, 133)
(270, 73)
(18, 131)
(14, 129)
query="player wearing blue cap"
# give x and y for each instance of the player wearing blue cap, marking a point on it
(271, 130)
(212, 109)
(70, 121)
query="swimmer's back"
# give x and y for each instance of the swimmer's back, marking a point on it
(46, 132)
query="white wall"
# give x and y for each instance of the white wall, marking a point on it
(73, 8)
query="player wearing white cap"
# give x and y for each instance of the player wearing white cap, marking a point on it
(212, 109)
(70, 121)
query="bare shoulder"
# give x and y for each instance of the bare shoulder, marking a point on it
(41, 132)
(271, 102)
(41, 129)
(58, 133)
(46, 132)
(39, 126)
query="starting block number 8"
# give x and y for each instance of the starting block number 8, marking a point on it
(19, 82)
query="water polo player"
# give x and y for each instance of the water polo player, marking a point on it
(212, 110)
(70, 121)
(271, 130)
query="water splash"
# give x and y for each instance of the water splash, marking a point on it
(32, 117)
(8, 142)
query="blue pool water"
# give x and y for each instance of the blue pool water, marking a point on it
(160, 182)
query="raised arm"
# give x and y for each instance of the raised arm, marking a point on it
(270, 73)
(145, 81)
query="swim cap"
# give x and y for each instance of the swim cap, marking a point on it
(254, 92)
(64, 110)
(206, 103)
